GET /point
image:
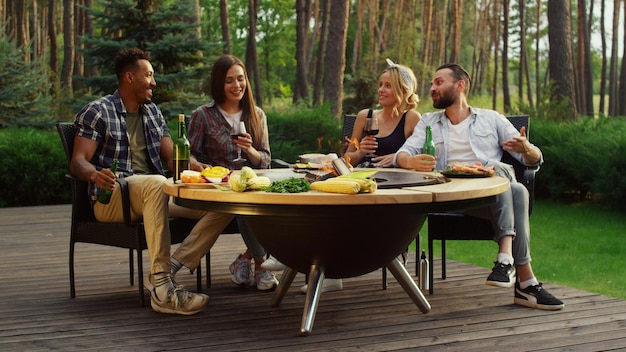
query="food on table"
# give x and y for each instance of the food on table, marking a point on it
(290, 185)
(476, 168)
(248, 179)
(190, 176)
(353, 183)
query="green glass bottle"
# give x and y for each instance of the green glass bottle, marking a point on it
(181, 149)
(429, 146)
(105, 195)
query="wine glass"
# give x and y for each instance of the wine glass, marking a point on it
(371, 129)
(242, 130)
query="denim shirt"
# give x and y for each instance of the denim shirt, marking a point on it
(104, 121)
(488, 130)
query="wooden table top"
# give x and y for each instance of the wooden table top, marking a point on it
(455, 190)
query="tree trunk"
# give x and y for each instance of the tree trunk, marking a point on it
(602, 109)
(561, 64)
(336, 56)
(252, 63)
(613, 80)
(424, 57)
(537, 48)
(457, 21)
(505, 56)
(496, 49)
(580, 81)
(54, 50)
(301, 86)
(227, 44)
(522, 30)
(68, 47)
(622, 80)
(321, 52)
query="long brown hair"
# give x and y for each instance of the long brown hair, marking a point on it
(249, 114)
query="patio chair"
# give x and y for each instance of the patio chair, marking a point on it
(454, 226)
(86, 229)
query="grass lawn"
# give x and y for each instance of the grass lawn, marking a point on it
(575, 245)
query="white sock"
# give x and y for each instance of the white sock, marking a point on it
(530, 282)
(505, 258)
(176, 265)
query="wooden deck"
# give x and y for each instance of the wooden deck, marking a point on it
(38, 314)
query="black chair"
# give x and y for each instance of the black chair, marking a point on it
(85, 228)
(453, 226)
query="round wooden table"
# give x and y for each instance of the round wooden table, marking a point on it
(337, 235)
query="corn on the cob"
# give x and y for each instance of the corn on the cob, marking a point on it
(367, 184)
(335, 185)
(258, 182)
(236, 183)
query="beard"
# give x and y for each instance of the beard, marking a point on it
(446, 99)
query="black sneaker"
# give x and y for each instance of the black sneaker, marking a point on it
(536, 297)
(502, 275)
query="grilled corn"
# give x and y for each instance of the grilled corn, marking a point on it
(335, 185)
(258, 182)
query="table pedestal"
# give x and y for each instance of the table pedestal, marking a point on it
(315, 284)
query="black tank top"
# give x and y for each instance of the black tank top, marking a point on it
(393, 142)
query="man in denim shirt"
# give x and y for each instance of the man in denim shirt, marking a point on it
(463, 134)
(128, 127)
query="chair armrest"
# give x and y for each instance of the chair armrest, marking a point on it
(125, 200)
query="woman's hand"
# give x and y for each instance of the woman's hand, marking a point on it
(368, 145)
(244, 141)
(383, 161)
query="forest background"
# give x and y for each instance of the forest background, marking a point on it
(311, 61)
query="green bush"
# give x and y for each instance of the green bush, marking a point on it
(585, 159)
(32, 168)
(300, 130)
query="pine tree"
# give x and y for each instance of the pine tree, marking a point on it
(165, 30)
(24, 86)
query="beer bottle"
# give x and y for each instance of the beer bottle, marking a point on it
(181, 149)
(105, 195)
(429, 146)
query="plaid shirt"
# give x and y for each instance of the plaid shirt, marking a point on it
(209, 136)
(103, 121)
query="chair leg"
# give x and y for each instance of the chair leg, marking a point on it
(384, 277)
(208, 269)
(131, 267)
(199, 278)
(72, 284)
(431, 280)
(142, 300)
(443, 259)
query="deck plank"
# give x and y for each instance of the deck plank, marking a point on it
(38, 314)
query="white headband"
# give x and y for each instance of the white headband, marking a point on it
(406, 76)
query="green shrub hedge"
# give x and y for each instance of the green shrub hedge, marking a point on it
(583, 160)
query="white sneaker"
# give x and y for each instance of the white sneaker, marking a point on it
(265, 280)
(328, 286)
(241, 269)
(273, 264)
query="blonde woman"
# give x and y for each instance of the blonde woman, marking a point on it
(396, 117)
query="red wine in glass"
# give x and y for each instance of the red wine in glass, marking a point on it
(371, 129)
(242, 130)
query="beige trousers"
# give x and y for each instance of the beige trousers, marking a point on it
(150, 203)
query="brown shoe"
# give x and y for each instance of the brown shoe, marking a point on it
(177, 300)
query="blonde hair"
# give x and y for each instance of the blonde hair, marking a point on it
(403, 85)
